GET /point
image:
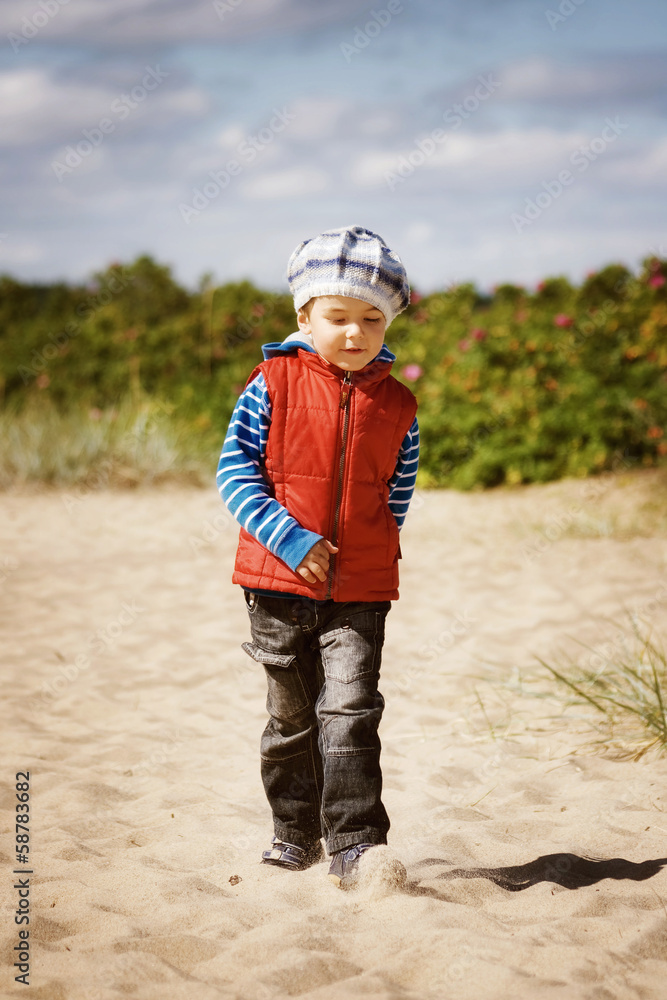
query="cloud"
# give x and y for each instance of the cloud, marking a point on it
(38, 107)
(610, 81)
(502, 160)
(298, 182)
(34, 109)
(19, 250)
(542, 88)
(154, 23)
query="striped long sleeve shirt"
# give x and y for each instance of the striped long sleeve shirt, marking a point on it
(248, 495)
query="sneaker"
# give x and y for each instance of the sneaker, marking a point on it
(344, 868)
(291, 856)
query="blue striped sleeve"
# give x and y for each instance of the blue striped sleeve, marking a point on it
(402, 483)
(243, 487)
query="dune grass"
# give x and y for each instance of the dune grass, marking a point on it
(138, 442)
(626, 690)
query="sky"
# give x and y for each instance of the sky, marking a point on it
(483, 140)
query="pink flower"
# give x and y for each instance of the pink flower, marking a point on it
(412, 372)
(415, 297)
(541, 286)
(657, 281)
(478, 334)
(464, 344)
(562, 320)
(43, 381)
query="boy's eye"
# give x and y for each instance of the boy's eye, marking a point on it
(369, 319)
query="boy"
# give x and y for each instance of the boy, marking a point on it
(318, 467)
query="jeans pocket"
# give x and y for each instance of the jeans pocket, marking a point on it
(353, 650)
(267, 656)
(250, 601)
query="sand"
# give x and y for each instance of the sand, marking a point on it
(129, 699)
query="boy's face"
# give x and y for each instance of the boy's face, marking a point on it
(347, 332)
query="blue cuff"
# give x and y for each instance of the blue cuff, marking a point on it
(295, 544)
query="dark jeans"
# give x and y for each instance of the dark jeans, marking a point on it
(320, 751)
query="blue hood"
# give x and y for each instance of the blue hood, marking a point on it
(291, 344)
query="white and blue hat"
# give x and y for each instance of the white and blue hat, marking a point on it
(350, 261)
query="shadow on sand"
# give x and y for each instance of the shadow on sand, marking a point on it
(568, 870)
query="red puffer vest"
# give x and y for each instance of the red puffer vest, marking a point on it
(332, 447)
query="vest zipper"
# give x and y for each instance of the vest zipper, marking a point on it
(344, 404)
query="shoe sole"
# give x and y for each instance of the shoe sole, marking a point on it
(282, 864)
(299, 867)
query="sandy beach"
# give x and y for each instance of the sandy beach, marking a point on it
(129, 700)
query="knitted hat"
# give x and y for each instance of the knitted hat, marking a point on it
(350, 261)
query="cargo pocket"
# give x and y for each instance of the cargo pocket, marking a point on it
(287, 693)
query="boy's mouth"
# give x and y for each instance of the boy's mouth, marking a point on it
(354, 350)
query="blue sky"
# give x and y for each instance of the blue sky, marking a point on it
(115, 113)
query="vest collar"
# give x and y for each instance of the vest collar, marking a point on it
(302, 345)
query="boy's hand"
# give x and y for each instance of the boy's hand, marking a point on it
(315, 564)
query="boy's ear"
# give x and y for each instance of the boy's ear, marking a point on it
(303, 321)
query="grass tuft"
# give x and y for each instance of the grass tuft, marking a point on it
(628, 693)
